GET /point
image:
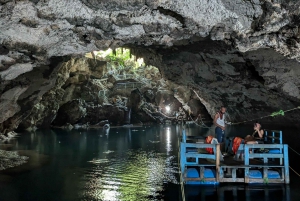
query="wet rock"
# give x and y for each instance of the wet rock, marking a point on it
(112, 113)
(9, 105)
(70, 112)
(11, 159)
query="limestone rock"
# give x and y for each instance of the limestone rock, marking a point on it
(70, 112)
(243, 54)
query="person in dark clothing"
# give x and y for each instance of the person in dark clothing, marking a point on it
(257, 135)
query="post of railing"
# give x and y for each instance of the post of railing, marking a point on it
(280, 141)
(286, 164)
(273, 135)
(280, 137)
(246, 162)
(218, 171)
(182, 158)
(183, 135)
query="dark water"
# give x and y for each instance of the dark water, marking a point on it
(127, 164)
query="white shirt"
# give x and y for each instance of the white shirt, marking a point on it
(220, 121)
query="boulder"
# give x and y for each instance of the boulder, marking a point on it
(70, 112)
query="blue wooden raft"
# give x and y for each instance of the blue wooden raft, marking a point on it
(199, 167)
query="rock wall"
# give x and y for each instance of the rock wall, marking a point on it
(251, 85)
(243, 54)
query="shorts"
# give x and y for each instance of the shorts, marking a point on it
(220, 134)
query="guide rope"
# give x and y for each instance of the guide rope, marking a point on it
(274, 114)
(294, 150)
(295, 171)
(202, 123)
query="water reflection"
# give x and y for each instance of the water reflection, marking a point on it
(134, 176)
(126, 164)
(239, 192)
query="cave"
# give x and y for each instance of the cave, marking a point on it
(79, 64)
(213, 60)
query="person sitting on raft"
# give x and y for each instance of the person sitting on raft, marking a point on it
(257, 136)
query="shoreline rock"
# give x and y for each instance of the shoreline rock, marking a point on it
(10, 159)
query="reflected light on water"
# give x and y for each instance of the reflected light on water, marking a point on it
(131, 176)
(168, 140)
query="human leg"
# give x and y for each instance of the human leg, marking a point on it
(220, 134)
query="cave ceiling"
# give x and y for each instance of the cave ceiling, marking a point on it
(242, 53)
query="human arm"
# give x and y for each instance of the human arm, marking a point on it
(260, 132)
(215, 122)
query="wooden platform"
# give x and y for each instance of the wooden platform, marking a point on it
(195, 162)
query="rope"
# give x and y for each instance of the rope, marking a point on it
(294, 150)
(295, 171)
(280, 112)
(202, 123)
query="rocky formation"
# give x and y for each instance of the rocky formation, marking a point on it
(243, 54)
(11, 159)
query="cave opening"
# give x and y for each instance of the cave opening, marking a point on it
(118, 87)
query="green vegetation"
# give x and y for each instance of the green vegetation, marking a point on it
(120, 58)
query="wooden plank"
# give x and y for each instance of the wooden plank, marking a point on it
(202, 172)
(265, 155)
(182, 156)
(273, 137)
(196, 155)
(251, 166)
(241, 180)
(246, 163)
(234, 173)
(201, 165)
(270, 181)
(195, 137)
(266, 146)
(282, 173)
(275, 131)
(265, 172)
(197, 145)
(286, 164)
(218, 170)
(199, 179)
(183, 137)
